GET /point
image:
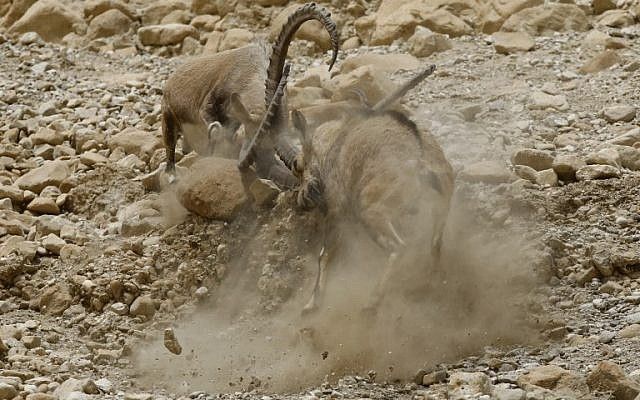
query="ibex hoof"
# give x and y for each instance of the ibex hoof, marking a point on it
(213, 126)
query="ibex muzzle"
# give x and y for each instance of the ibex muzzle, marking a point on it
(209, 97)
(375, 167)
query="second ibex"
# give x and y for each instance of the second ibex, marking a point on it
(208, 98)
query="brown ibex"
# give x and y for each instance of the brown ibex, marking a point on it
(376, 168)
(197, 97)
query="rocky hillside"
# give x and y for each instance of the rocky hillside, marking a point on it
(535, 103)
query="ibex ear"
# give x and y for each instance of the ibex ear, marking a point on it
(238, 112)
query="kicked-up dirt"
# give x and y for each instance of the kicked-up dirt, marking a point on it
(113, 286)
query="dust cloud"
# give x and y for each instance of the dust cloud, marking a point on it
(473, 298)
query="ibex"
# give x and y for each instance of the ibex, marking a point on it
(377, 168)
(198, 96)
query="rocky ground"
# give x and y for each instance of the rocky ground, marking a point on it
(536, 106)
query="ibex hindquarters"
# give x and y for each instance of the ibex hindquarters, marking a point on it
(393, 182)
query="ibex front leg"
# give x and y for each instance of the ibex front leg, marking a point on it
(327, 253)
(387, 237)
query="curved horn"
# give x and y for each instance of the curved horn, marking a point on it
(247, 153)
(305, 13)
(402, 90)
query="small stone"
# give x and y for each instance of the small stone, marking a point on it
(611, 287)
(119, 308)
(44, 205)
(609, 377)
(606, 337)
(143, 306)
(53, 243)
(7, 392)
(171, 342)
(629, 332)
(90, 387)
(592, 172)
(542, 101)
(163, 35)
(601, 61)
(469, 383)
(439, 376)
(627, 139)
(6, 204)
(492, 172)
(15, 194)
(526, 172)
(619, 113)
(566, 167)
(202, 292)
(546, 177)
(424, 42)
(585, 276)
(31, 342)
(91, 158)
(537, 159)
(512, 42)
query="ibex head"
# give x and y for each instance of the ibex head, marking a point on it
(307, 168)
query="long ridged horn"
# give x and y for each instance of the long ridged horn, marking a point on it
(248, 151)
(402, 90)
(305, 13)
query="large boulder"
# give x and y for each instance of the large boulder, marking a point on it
(397, 19)
(424, 42)
(55, 299)
(215, 7)
(213, 188)
(93, 8)
(609, 377)
(154, 13)
(109, 23)
(558, 379)
(164, 35)
(546, 19)
(512, 42)
(16, 11)
(235, 38)
(495, 12)
(51, 19)
(312, 31)
(51, 173)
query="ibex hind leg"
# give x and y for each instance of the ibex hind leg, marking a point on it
(170, 136)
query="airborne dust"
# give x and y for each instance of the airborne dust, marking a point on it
(476, 296)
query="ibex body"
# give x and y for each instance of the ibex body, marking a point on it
(197, 97)
(379, 170)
